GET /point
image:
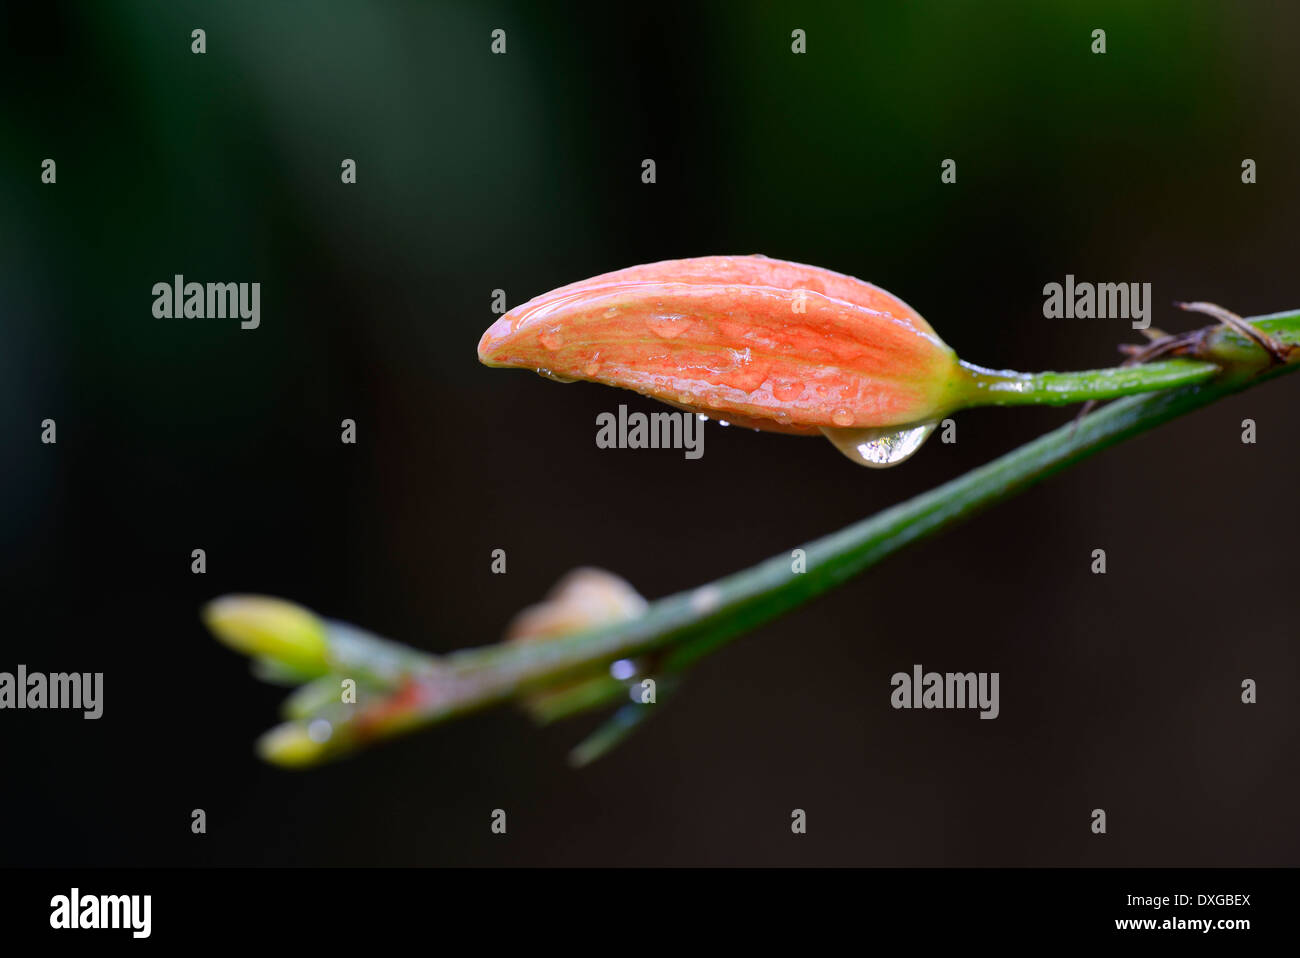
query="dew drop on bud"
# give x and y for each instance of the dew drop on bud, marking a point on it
(787, 391)
(669, 326)
(842, 417)
(552, 339)
(555, 377)
(880, 448)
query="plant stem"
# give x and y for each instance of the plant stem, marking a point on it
(688, 625)
(1007, 388)
(991, 387)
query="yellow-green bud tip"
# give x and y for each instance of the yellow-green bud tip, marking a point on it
(271, 628)
(293, 745)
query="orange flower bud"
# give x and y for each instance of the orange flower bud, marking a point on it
(759, 342)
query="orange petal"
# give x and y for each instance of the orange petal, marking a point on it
(760, 342)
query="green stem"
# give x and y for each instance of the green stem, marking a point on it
(1222, 346)
(988, 387)
(691, 624)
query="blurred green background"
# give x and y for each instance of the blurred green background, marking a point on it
(522, 172)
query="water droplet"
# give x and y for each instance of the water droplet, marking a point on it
(723, 422)
(591, 369)
(552, 338)
(783, 417)
(787, 391)
(703, 418)
(880, 448)
(742, 372)
(842, 417)
(319, 731)
(669, 325)
(555, 376)
(623, 669)
(746, 380)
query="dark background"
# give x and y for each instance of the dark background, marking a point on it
(522, 172)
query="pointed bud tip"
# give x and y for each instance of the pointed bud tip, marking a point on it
(290, 745)
(492, 340)
(269, 628)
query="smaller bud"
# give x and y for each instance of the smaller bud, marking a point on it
(583, 599)
(291, 745)
(272, 629)
(586, 598)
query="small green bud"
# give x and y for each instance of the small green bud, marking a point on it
(270, 628)
(292, 745)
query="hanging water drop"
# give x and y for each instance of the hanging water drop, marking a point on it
(554, 376)
(880, 448)
(623, 669)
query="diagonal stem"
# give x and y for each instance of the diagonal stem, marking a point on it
(691, 624)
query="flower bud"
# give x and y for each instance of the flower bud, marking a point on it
(291, 745)
(758, 342)
(271, 629)
(584, 599)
